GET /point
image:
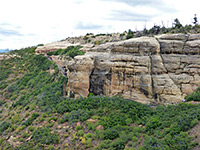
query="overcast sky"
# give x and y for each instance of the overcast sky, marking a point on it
(30, 22)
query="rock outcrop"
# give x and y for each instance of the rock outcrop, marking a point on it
(164, 68)
(56, 45)
(7, 56)
(87, 41)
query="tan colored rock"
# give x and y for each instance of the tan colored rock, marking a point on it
(7, 56)
(59, 127)
(52, 121)
(99, 127)
(187, 88)
(92, 120)
(78, 76)
(171, 46)
(179, 36)
(78, 123)
(53, 47)
(165, 68)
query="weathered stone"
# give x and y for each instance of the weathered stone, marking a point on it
(99, 127)
(187, 88)
(165, 68)
(92, 120)
(78, 123)
(171, 46)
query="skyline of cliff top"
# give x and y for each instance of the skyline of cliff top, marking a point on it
(28, 23)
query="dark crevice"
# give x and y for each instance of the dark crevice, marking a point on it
(187, 37)
(151, 73)
(91, 89)
(90, 84)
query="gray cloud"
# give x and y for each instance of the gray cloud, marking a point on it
(7, 29)
(88, 26)
(140, 2)
(123, 15)
(9, 32)
(78, 1)
(127, 15)
(157, 4)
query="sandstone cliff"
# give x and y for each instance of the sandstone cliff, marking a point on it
(87, 41)
(164, 68)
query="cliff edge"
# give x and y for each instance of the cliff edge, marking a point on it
(164, 68)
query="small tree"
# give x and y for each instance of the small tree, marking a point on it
(195, 19)
(177, 23)
(130, 34)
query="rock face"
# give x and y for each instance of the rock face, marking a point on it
(164, 68)
(87, 41)
(56, 45)
(6, 56)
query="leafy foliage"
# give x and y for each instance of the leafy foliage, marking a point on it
(70, 51)
(31, 119)
(3, 126)
(33, 90)
(195, 96)
(44, 136)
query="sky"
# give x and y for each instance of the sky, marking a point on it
(30, 22)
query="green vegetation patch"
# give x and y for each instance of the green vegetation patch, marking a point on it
(195, 96)
(70, 51)
(3, 126)
(114, 123)
(44, 136)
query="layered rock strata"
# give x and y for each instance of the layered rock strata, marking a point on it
(164, 68)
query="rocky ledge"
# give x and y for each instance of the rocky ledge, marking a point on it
(164, 68)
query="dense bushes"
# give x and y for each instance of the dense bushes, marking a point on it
(70, 51)
(30, 120)
(39, 84)
(195, 96)
(124, 123)
(160, 123)
(4, 72)
(44, 136)
(3, 85)
(3, 126)
(76, 115)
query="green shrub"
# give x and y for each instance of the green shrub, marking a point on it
(154, 144)
(134, 139)
(78, 127)
(128, 121)
(194, 122)
(14, 97)
(15, 119)
(118, 144)
(152, 124)
(80, 133)
(195, 96)
(44, 136)
(3, 85)
(106, 144)
(3, 126)
(50, 147)
(52, 118)
(70, 51)
(88, 135)
(31, 128)
(12, 88)
(31, 119)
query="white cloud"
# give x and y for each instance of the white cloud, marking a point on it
(30, 22)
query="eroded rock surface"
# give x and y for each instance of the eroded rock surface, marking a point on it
(164, 68)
